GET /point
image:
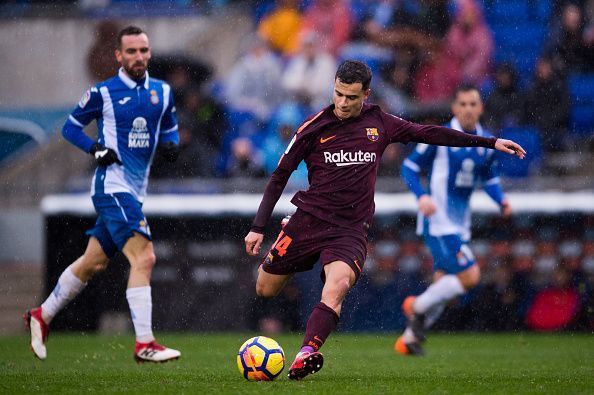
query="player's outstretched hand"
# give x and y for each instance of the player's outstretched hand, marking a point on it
(509, 147)
(104, 156)
(506, 209)
(427, 206)
(253, 242)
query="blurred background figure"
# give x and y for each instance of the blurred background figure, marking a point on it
(469, 43)
(547, 105)
(101, 62)
(567, 46)
(309, 73)
(505, 105)
(281, 130)
(254, 83)
(245, 161)
(331, 20)
(281, 27)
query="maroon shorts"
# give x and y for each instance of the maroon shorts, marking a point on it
(305, 239)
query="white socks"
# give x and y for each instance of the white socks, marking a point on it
(440, 292)
(141, 310)
(433, 314)
(66, 289)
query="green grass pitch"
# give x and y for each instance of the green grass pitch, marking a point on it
(354, 364)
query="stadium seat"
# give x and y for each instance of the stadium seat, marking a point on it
(581, 88)
(529, 139)
(519, 35)
(508, 10)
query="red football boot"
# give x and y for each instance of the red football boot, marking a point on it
(306, 363)
(39, 332)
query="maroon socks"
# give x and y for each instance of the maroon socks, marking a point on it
(321, 323)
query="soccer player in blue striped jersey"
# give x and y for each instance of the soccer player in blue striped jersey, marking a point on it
(135, 115)
(444, 215)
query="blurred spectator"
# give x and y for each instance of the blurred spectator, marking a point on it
(390, 162)
(502, 301)
(331, 21)
(309, 74)
(568, 47)
(554, 307)
(279, 314)
(469, 43)
(281, 26)
(416, 26)
(245, 161)
(393, 88)
(208, 122)
(589, 34)
(193, 160)
(547, 105)
(101, 62)
(437, 78)
(505, 105)
(282, 127)
(254, 83)
(385, 263)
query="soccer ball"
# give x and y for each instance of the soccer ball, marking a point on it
(260, 359)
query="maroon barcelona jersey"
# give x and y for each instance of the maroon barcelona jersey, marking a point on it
(343, 157)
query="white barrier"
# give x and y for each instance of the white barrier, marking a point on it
(247, 204)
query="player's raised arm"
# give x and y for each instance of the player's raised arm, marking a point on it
(405, 131)
(169, 137)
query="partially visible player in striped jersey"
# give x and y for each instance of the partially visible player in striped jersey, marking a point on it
(134, 114)
(444, 215)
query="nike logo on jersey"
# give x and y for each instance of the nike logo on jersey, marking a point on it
(124, 100)
(323, 140)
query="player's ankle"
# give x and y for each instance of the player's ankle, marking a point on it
(145, 339)
(309, 349)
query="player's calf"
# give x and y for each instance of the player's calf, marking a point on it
(154, 352)
(39, 331)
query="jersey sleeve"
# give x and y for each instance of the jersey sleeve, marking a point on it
(296, 151)
(89, 108)
(420, 159)
(169, 128)
(402, 131)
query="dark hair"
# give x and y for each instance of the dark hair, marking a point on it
(128, 31)
(465, 87)
(353, 71)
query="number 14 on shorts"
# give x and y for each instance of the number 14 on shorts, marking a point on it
(282, 243)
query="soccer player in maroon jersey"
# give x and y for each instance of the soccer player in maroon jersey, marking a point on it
(342, 146)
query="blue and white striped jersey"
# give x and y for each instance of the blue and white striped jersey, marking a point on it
(132, 119)
(452, 173)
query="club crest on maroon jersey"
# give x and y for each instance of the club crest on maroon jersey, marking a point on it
(372, 134)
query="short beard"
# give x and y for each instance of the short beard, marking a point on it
(134, 73)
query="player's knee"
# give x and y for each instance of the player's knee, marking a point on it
(147, 260)
(91, 264)
(100, 265)
(265, 291)
(470, 278)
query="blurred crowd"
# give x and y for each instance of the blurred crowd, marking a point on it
(536, 275)
(420, 50)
